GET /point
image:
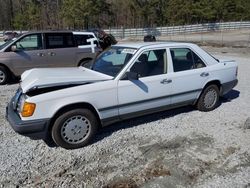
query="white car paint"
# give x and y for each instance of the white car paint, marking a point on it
(55, 76)
(112, 96)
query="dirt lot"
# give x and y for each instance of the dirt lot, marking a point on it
(177, 148)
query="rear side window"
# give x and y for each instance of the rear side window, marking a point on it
(59, 40)
(185, 59)
(82, 39)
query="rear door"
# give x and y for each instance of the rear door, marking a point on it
(189, 75)
(61, 49)
(29, 53)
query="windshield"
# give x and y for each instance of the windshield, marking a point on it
(6, 44)
(111, 61)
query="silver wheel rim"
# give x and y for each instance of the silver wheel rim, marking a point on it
(210, 98)
(75, 129)
(2, 76)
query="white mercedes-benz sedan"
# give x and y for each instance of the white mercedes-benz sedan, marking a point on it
(68, 105)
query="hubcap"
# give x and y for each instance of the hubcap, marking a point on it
(210, 98)
(2, 76)
(75, 129)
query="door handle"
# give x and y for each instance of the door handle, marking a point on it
(166, 81)
(52, 53)
(204, 74)
(40, 54)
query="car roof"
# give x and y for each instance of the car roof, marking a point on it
(9, 32)
(82, 33)
(138, 45)
(59, 31)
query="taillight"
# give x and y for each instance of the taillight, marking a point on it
(236, 73)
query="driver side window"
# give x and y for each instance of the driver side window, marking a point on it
(151, 63)
(30, 42)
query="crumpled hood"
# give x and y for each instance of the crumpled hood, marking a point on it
(52, 77)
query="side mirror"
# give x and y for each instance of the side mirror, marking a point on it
(132, 76)
(14, 48)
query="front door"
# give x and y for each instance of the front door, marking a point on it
(151, 91)
(29, 54)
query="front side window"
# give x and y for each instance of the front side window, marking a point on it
(30, 42)
(6, 44)
(111, 61)
(151, 63)
(185, 59)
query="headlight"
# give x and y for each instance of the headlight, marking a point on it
(20, 103)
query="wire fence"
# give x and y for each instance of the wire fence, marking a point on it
(223, 33)
(176, 30)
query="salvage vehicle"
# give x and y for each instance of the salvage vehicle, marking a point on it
(105, 40)
(8, 35)
(46, 49)
(69, 105)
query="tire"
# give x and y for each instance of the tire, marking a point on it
(209, 99)
(4, 75)
(74, 129)
(85, 63)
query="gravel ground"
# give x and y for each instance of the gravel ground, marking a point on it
(177, 148)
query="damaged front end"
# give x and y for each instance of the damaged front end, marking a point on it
(41, 89)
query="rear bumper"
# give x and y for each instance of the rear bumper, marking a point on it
(226, 87)
(35, 129)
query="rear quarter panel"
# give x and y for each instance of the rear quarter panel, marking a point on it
(224, 72)
(85, 53)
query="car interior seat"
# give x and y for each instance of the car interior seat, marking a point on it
(176, 66)
(158, 68)
(141, 66)
(190, 62)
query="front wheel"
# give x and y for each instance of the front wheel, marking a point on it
(209, 99)
(74, 128)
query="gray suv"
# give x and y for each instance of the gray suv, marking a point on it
(45, 49)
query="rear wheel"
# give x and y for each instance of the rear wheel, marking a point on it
(209, 98)
(85, 63)
(74, 129)
(4, 75)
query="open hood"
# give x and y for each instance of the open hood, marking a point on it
(43, 78)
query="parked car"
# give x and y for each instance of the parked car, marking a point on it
(127, 80)
(45, 49)
(8, 35)
(149, 38)
(105, 40)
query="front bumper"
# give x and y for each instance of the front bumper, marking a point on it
(35, 129)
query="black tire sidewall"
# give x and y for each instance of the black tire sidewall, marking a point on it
(200, 103)
(5, 71)
(85, 63)
(56, 129)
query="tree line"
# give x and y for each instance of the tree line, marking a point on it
(85, 14)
